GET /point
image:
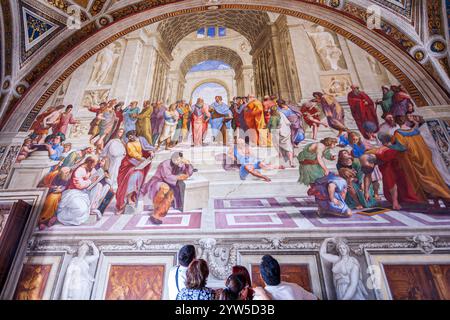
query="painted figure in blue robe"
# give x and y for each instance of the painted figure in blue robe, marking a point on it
(53, 144)
(330, 192)
(295, 118)
(249, 164)
(220, 120)
(128, 112)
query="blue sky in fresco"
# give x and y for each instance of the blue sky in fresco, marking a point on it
(209, 65)
(208, 91)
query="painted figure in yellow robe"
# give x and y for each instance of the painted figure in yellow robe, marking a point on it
(143, 123)
(254, 118)
(416, 160)
(186, 109)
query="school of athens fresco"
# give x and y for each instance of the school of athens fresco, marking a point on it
(242, 132)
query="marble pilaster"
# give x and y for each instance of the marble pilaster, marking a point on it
(124, 87)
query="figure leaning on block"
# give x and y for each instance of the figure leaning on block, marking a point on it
(163, 187)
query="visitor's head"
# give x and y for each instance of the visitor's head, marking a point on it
(400, 120)
(133, 104)
(241, 270)
(27, 141)
(354, 137)
(69, 108)
(355, 89)
(218, 99)
(273, 97)
(389, 118)
(200, 101)
(329, 143)
(251, 97)
(131, 135)
(173, 107)
(186, 255)
(270, 270)
(385, 89)
(266, 98)
(234, 284)
(103, 105)
(197, 274)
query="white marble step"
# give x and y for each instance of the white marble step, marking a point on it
(253, 187)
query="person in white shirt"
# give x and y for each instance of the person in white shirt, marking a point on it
(275, 289)
(177, 274)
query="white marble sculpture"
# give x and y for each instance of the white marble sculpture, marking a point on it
(78, 280)
(326, 47)
(346, 271)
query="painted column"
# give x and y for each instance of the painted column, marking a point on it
(10, 145)
(307, 69)
(125, 84)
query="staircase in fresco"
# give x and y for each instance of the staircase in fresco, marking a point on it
(223, 184)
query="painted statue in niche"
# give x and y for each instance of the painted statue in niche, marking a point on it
(103, 65)
(347, 276)
(327, 49)
(440, 139)
(32, 282)
(78, 280)
(4, 214)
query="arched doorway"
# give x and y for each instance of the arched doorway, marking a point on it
(210, 88)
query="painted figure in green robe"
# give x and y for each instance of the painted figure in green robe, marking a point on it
(350, 169)
(311, 160)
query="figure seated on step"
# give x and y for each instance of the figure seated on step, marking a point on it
(133, 170)
(163, 188)
(330, 192)
(250, 164)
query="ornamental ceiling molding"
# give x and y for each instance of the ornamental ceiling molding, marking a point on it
(37, 29)
(351, 28)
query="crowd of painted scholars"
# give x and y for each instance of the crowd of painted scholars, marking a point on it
(188, 281)
(124, 139)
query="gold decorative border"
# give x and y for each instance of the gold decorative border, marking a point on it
(391, 66)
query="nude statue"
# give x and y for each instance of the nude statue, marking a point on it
(326, 47)
(105, 60)
(78, 280)
(346, 271)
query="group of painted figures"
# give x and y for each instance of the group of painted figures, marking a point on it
(123, 142)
